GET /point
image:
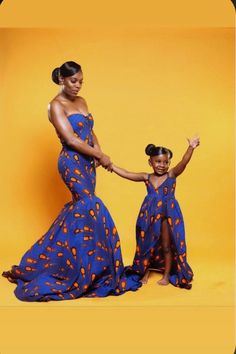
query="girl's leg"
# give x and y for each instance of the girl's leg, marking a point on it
(165, 238)
(144, 279)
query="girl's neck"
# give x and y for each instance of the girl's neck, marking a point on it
(158, 175)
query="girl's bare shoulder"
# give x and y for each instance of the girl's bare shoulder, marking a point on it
(171, 173)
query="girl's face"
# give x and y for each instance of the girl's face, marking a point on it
(72, 84)
(160, 163)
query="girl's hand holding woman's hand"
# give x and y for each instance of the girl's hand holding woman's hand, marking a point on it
(105, 161)
(110, 167)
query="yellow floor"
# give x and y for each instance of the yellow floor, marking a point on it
(157, 319)
(185, 330)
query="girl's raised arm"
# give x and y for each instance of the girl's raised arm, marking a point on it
(133, 176)
(180, 167)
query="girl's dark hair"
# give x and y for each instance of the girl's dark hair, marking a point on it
(152, 150)
(69, 68)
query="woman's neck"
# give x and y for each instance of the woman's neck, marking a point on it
(66, 96)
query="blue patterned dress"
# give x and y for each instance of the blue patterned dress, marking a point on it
(159, 204)
(80, 255)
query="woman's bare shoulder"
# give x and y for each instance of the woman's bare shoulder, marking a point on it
(56, 101)
(82, 101)
(54, 105)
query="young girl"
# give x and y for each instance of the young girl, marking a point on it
(160, 234)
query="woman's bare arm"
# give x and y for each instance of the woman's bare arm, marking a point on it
(96, 143)
(66, 133)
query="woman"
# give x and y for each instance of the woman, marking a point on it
(80, 254)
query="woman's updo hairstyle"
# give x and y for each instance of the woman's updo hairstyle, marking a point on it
(152, 150)
(69, 68)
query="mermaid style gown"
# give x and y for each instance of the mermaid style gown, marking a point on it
(80, 255)
(160, 203)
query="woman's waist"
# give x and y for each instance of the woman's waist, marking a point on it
(88, 141)
(72, 160)
(69, 152)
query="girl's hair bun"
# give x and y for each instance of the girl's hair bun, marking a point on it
(152, 150)
(55, 75)
(149, 149)
(170, 153)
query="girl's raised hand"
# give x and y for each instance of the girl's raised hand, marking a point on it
(194, 142)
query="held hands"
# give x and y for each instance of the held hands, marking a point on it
(194, 142)
(105, 162)
(97, 163)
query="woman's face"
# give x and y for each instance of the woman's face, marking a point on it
(160, 163)
(72, 84)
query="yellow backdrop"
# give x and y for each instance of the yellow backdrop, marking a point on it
(143, 84)
(177, 83)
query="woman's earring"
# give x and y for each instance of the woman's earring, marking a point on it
(60, 80)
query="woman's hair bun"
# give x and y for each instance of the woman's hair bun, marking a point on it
(149, 149)
(67, 69)
(55, 75)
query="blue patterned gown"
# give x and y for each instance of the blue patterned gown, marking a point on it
(80, 255)
(159, 204)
